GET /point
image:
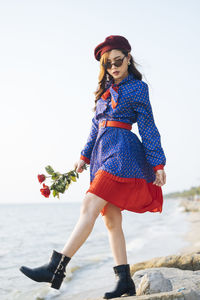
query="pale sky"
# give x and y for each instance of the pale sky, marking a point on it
(48, 75)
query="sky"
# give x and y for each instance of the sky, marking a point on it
(48, 75)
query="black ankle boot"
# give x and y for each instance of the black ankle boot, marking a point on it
(52, 272)
(125, 284)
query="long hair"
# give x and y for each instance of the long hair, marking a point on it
(105, 77)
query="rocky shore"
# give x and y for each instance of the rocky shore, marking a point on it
(175, 276)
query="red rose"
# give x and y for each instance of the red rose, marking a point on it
(41, 178)
(45, 191)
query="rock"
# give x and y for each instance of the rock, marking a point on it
(179, 279)
(152, 283)
(188, 261)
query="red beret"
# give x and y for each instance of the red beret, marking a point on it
(112, 42)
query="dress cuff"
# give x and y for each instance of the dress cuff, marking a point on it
(158, 167)
(85, 159)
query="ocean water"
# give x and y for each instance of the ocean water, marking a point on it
(30, 232)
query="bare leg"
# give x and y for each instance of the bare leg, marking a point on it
(91, 207)
(113, 222)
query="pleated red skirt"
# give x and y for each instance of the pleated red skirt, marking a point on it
(133, 194)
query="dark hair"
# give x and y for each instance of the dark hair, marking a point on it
(105, 77)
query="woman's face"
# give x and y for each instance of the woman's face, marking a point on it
(118, 73)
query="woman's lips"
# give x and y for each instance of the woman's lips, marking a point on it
(116, 72)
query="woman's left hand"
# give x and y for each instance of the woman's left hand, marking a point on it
(160, 177)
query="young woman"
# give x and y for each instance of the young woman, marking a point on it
(125, 173)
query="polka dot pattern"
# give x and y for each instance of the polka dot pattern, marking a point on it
(117, 150)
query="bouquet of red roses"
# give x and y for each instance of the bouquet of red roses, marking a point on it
(60, 182)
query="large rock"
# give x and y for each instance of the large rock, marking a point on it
(153, 282)
(187, 261)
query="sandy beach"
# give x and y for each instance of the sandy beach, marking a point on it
(193, 235)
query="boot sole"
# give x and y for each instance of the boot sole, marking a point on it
(129, 293)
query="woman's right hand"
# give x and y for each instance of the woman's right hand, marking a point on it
(160, 178)
(78, 166)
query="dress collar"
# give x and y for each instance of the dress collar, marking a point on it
(112, 89)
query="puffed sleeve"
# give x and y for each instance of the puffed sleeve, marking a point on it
(87, 150)
(148, 131)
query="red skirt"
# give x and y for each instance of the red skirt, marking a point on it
(133, 194)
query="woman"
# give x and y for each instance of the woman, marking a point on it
(125, 173)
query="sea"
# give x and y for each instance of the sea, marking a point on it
(29, 232)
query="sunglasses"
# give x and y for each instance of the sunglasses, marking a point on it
(117, 63)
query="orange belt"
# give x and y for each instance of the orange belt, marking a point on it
(106, 123)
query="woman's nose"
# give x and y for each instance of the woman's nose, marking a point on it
(113, 66)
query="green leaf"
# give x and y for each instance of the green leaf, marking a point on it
(55, 193)
(49, 170)
(73, 173)
(73, 178)
(55, 176)
(59, 186)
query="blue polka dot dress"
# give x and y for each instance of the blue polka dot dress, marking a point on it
(122, 168)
